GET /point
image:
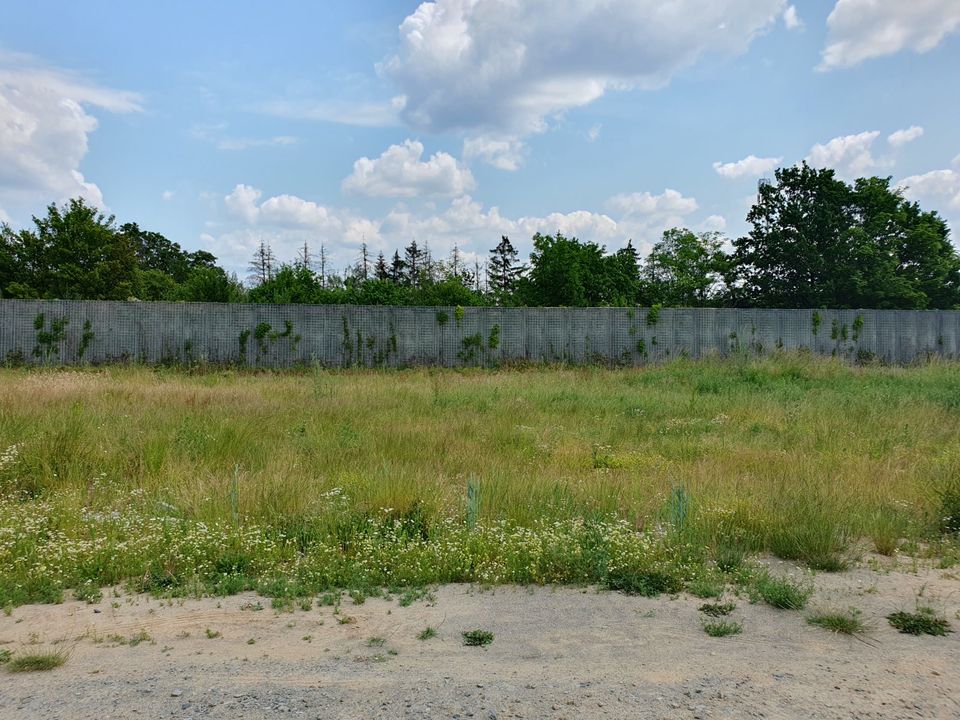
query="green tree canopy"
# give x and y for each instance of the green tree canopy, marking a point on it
(684, 269)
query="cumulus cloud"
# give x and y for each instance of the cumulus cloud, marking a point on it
(791, 20)
(45, 124)
(505, 66)
(902, 137)
(668, 203)
(940, 188)
(288, 221)
(860, 30)
(401, 172)
(849, 155)
(503, 153)
(750, 166)
(168, 194)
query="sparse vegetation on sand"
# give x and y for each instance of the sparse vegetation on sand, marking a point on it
(646, 480)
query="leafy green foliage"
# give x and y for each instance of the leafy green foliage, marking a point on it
(782, 592)
(477, 638)
(925, 621)
(722, 628)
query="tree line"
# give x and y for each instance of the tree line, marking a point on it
(815, 241)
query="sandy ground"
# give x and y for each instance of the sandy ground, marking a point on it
(558, 653)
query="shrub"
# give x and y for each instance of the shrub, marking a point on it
(721, 628)
(925, 621)
(477, 638)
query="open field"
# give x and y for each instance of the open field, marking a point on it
(647, 480)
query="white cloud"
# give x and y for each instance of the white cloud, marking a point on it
(287, 221)
(956, 161)
(400, 172)
(849, 155)
(168, 194)
(242, 203)
(863, 29)
(751, 166)
(45, 126)
(791, 20)
(902, 137)
(502, 153)
(714, 223)
(938, 188)
(594, 133)
(668, 203)
(247, 143)
(501, 66)
(366, 114)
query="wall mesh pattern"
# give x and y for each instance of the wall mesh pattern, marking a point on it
(81, 332)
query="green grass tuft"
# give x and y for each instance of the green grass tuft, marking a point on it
(37, 661)
(721, 628)
(477, 638)
(782, 592)
(716, 610)
(427, 633)
(846, 622)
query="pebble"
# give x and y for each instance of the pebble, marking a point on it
(177, 692)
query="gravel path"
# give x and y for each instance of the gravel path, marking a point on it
(557, 653)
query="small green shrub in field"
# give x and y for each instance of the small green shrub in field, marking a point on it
(782, 592)
(89, 592)
(721, 628)
(846, 622)
(705, 586)
(807, 531)
(925, 621)
(37, 661)
(427, 633)
(477, 638)
(5, 656)
(717, 610)
(729, 557)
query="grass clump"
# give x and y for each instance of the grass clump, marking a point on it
(721, 628)
(845, 622)
(782, 592)
(925, 621)
(717, 610)
(427, 633)
(37, 661)
(376, 642)
(477, 638)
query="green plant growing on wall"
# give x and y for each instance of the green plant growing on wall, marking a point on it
(347, 343)
(816, 321)
(458, 315)
(442, 318)
(471, 345)
(653, 315)
(243, 339)
(47, 340)
(642, 347)
(85, 339)
(493, 341)
(857, 327)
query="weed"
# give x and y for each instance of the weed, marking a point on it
(211, 634)
(427, 633)
(37, 661)
(5, 656)
(847, 622)
(721, 628)
(705, 586)
(140, 637)
(925, 621)
(782, 592)
(716, 610)
(478, 638)
(376, 642)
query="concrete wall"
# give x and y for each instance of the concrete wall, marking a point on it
(78, 332)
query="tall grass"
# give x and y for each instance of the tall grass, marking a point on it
(796, 455)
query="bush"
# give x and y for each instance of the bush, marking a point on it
(782, 592)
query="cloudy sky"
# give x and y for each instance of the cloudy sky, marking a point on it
(458, 121)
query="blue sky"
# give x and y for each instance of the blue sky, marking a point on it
(457, 121)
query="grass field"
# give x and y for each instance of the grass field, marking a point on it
(648, 480)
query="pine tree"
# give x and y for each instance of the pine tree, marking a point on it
(261, 266)
(397, 269)
(414, 264)
(303, 257)
(504, 270)
(363, 266)
(323, 265)
(380, 269)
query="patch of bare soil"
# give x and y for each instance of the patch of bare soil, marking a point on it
(557, 653)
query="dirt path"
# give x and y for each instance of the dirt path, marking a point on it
(557, 653)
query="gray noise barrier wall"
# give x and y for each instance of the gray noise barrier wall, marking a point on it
(59, 332)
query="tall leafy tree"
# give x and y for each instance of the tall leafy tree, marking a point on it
(565, 272)
(684, 269)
